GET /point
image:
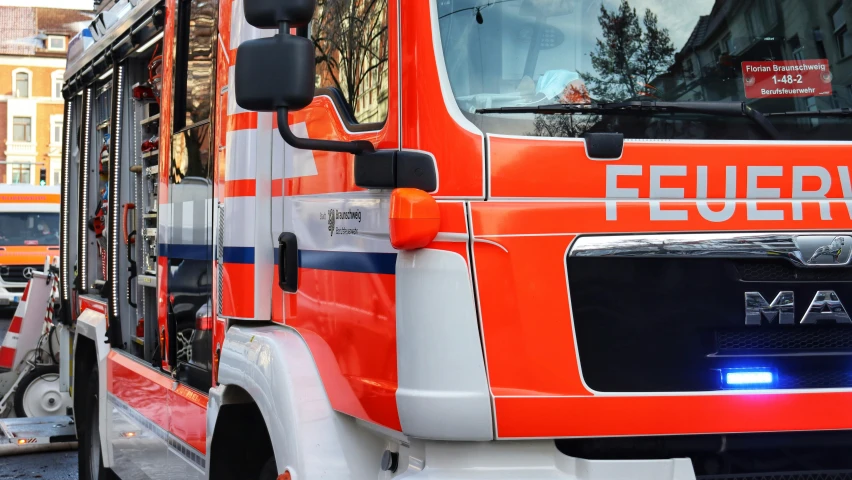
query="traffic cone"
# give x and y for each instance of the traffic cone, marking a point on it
(10, 343)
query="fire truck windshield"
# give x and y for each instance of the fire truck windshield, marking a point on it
(784, 58)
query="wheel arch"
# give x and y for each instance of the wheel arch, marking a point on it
(240, 442)
(90, 351)
(271, 368)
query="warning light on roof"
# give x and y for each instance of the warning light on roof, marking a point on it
(748, 377)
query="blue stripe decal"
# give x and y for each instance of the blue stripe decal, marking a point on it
(355, 262)
(243, 255)
(186, 252)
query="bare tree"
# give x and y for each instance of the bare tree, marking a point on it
(351, 43)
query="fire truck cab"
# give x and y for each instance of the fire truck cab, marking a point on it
(460, 239)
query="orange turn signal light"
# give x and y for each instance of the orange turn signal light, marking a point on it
(414, 219)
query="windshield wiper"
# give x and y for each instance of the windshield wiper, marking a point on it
(837, 112)
(725, 109)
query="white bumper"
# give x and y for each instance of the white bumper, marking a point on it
(10, 294)
(526, 460)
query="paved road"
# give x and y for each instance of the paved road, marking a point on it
(5, 320)
(46, 466)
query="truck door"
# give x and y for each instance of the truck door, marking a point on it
(187, 245)
(345, 304)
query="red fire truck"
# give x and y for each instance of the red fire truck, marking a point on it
(460, 239)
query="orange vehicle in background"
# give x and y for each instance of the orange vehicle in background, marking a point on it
(29, 232)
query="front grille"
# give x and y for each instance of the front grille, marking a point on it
(783, 271)
(15, 273)
(673, 324)
(815, 378)
(784, 339)
(813, 475)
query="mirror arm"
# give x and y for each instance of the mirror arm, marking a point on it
(356, 147)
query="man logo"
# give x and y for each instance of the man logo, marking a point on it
(823, 250)
(28, 272)
(835, 248)
(826, 307)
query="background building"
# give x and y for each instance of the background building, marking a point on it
(33, 43)
(708, 65)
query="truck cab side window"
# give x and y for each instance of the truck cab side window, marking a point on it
(193, 86)
(351, 39)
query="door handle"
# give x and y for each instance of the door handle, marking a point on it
(288, 262)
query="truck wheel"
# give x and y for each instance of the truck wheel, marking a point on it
(269, 470)
(38, 393)
(90, 462)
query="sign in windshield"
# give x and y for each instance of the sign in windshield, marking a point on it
(778, 57)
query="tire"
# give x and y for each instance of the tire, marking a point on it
(90, 462)
(269, 470)
(42, 381)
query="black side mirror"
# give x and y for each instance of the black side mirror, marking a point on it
(269, 13)
(277, 74)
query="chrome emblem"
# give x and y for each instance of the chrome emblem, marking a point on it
(824, 250)
(28, 272)
(781, 309)
(825, 307)
(834, 249)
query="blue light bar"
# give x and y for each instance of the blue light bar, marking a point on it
(748, 377)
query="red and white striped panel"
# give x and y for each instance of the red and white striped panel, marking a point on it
(10, 342)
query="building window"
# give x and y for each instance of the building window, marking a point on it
(798, 52)
(22, 84)
(56, 43)
(842, 36)
(21, 173)
(688, 69)
(56, 78)
(55, 177)
(812, 107)
(56, 130)
(728, 44)
(22, 129)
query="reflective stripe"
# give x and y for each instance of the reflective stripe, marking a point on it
(359, 223)
(241, 155)
(296, 162)
(176, 445)
(186, 252)
(355, 262)
(238, 255)
(240, 221)
(242, 121)
(240, 188)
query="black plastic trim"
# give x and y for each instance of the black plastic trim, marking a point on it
(605, 146)
(388, 169)
(288, 262)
